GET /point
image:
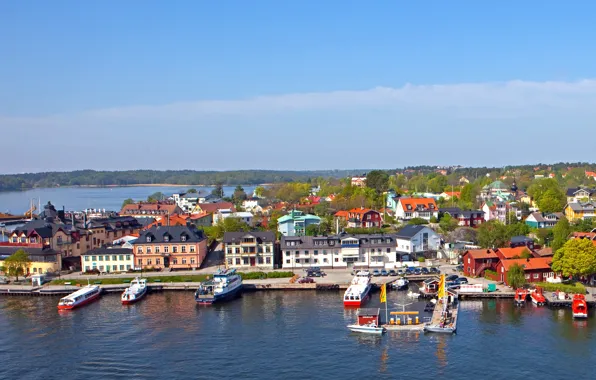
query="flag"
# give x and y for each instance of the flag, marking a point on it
(383, 293)
(441, 292)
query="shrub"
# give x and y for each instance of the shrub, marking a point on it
(264, 275)
(421, 259)
(280, 274)
(576, 287)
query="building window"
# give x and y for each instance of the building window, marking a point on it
(148, 249)
(148, 261)
(306, 261)
(337, 259)
(128, 267)
(101, 268)
(140, 262)
(316, 252)
(114, 258)
(192, 249)
(148, 239)
(229, 261)
(192, 260)
(260, 260)
(316, 261)
(157, 261)
(107, 258)
(157, 249)
(245, 261)
(536, 276)
(166, 249)
(121, 267)
(183, 238)
(325, 260)
(288, 261)
(114, 268)
(267, 260)
(237, 261)
(183, 261)
(100, 258)
(175, 261)
(287, 253)
(175, 249)
(127, 257)
(183, 249)
(121, 258)
(166, 238)
(86, 258)
(140, 250)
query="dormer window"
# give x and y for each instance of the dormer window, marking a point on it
(166, 238)
(148, 239)
(183, 238)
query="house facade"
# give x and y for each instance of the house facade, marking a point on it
(359, 181)
(465, 218)
(186, 201)
(249, 249)
(108, 260)
(43, 260)
(410, 208)
(416, 240)
(496, 210)
(579, 211)
(477, 261)
(339, 251)
(295, 223)
(150, 209)
(175, 247)
(536, 269)
(579, 194)
(543, 220)
(243, 216)
(361, 218)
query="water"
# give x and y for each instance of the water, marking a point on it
(80, 198)
(284, 335)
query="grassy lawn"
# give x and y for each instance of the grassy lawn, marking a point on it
(575, 287)
(124, 280)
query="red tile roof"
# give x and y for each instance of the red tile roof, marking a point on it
(583, 235)
(529, 264)
(414, 202)
(214, 207)
(482, 254)
(510, 253)
(453, 193)
(341, 214)
(162, 207)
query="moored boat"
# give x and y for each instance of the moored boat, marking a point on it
(359, 289)
(224, 286)
(81, 297)
(579, 306)
(538, 298)
(136, 291)
(520, 297)
(368, 322)
(370, 328)
(401, 284)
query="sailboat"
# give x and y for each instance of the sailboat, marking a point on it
(444, 319)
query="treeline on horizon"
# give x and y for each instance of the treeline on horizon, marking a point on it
(249, 177)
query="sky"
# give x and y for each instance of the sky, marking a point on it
(224, 85)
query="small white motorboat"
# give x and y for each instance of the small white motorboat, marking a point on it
(370, 328)
(413, 295)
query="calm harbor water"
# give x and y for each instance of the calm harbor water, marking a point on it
(285, 335)
(80, 198)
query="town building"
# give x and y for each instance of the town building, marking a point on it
(536, 269)
(47, 233)
(465, 218)
(507, 253)
(543, 220)
(339, 251)
(249, 249)
(175, 247)
(108, 260)
(243, 216)
(496, 211)
(580, 194)
(450, 194)
(361, 218)
(575, 211)
(477, 261)
(359, 181)
(416, 240)
(496, 190)
(201, 220)
(253, 205)
(151, 209)
(43, 260)
(295, 223)
(186, 201)
(110, 228)
(522, 241)
(410, 208)
(213, 208)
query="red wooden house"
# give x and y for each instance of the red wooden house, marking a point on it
(536, 269)
(476, 261)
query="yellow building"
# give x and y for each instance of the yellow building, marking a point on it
(578, 211)
(42, 260)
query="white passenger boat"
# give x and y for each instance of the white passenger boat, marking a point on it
(370, 328)
(81, 297)
(359, 289)
(401, 284)
(225, 285)
(136, 291)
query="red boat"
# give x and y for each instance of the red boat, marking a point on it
(358, 291)
(579, 306)
(538, 298)
(520, 297)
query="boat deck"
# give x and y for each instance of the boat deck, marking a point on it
(418, 327)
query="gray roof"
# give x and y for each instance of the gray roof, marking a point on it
(157, 234)
(521, 239)
(576, 206)
(261, 236)
(540, 217)
(574, 190)
(456, 212)
(35, 254)
(364, 240)
(109, 251)
(410, 231)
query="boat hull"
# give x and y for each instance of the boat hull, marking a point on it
(366, 329)
(236, 292)
(137, 298)
(538, 302)
(580, 315)
(357, 303)
(82, 303)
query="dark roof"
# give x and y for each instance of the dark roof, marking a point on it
(573, 190)
(364, 240)
(115, 223)
(43, 228)
(410, 231)
(145, 221)
(521, 239)
(33, 253)
(174, 233)
(109, 251)
(261, 236)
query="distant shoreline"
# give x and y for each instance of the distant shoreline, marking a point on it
(132, 185)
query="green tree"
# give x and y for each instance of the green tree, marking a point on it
(516, 277)
(447, 223)
(561, 232)
(577, 257)
(417, 221)
(312, 230)
(492, 234)
(229, 224)
(16, 264)
(239, 194)
(583, 225)
(127, 201)
(259, 191)
(553, 200)
(192, 191)
(377, 180)
(155, 197)
(469, 193)
(218, 190)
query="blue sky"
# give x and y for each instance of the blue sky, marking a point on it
(293, 85)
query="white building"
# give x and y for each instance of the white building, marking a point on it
(410, 208)
(252, 205)
(108, 260)
(244, 216)
(249, 249)
(339, 251)
(186, 201)
(413, 240)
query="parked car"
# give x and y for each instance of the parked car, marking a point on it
(459, 268)
(400, 272)
(452, 277)
(392, 272)
(425, 270)
(3, 280)
(462, 280)
(305, 280)
(384, 272)
(376, 273)
(434, 270)
(409, 271)
(313, 274)
(417, 271)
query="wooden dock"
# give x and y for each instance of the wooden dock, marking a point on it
(553, 301)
